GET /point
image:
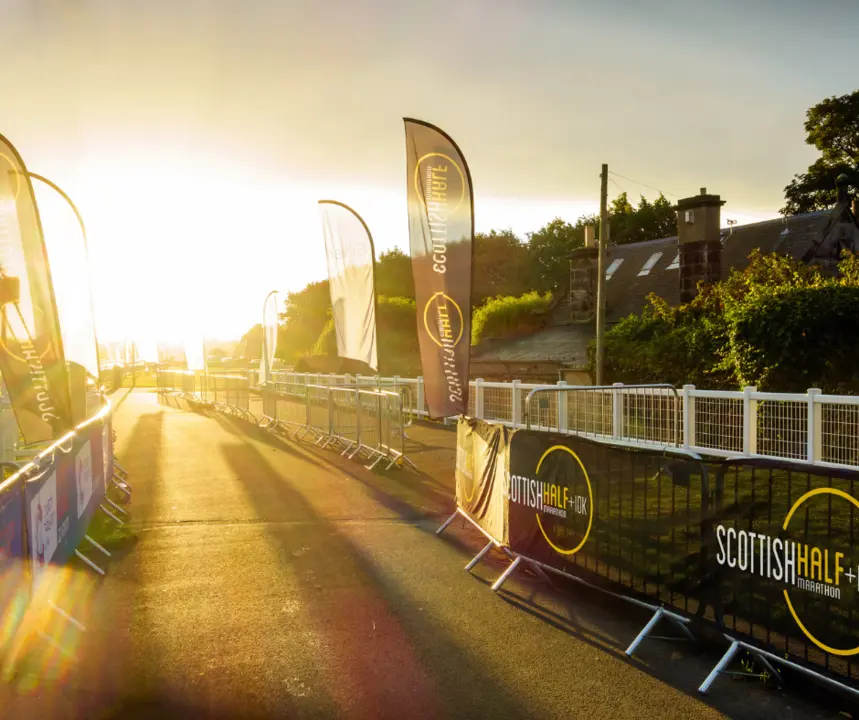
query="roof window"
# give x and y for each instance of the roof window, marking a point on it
(612, 269)
(648, 266)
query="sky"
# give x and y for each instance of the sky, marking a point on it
(197, 135)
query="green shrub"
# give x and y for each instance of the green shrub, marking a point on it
(778, 324)
(503, 316)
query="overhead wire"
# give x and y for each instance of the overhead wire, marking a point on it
(638, 182)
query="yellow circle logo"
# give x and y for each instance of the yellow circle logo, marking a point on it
(431, 174)
(576, 502)
(810, 494)
(12, 320)
(449, 322)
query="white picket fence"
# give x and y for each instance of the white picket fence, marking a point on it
(807, 427)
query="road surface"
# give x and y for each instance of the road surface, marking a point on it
(269, 580)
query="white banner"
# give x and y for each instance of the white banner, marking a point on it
(349, 251)
(269, 337)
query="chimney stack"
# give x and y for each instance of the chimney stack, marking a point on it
(590, 236)
(583, 280)
(699, 241)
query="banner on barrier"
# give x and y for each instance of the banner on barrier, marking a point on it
(61, 502)
(31, 348)
(481, 474)
(788, 559)
(637, 517)
(441, 238)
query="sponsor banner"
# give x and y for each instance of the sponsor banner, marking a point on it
(31, 349)
(786, 553)
(43, 512)
(481, 474)
(107, 451)
(441, 234)
(629, 516)
(83, 477)
(351, 280)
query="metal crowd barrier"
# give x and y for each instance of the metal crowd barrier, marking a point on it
(360, 422)
(46, 507)
(229, 394)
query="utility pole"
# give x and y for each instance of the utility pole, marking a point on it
(603, 242)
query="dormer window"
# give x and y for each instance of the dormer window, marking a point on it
(675, 263)
(648, 266)
(612, 269)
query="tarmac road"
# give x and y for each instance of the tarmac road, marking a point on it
(275, 581)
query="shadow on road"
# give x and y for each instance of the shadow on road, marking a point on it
(388, 657)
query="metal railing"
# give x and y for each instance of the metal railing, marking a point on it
(224, 393)
(361, 422)
(808, 427)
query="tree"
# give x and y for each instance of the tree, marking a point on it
(549, 249)
(501, 266)
(832, 126)
(394, 275)
(648, 221)
(304, 317)
(250, 346)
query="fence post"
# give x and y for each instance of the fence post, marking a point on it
(516, 405)
(750, 421)
(332, 380)
(616, 411)
(420, 407)
(478, 398)
(688, 416)
(562, 408)
(815, 427)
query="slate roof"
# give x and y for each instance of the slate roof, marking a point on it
(803, 237)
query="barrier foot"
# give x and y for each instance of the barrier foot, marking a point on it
(111, 515)
(506, 574)
(723, 663)
(115, 506)
(446, 523)
(654, 621)
(121, 485)
(77, 623)
(89, 562)
(96, 545)
(375, 462)
(477, 558)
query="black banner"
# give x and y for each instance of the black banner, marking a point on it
(481, 474)
(633, 517)
(787, 555)
(765, 550)
(31, 348)
(441, 234)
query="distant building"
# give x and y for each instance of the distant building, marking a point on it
(671, 268)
